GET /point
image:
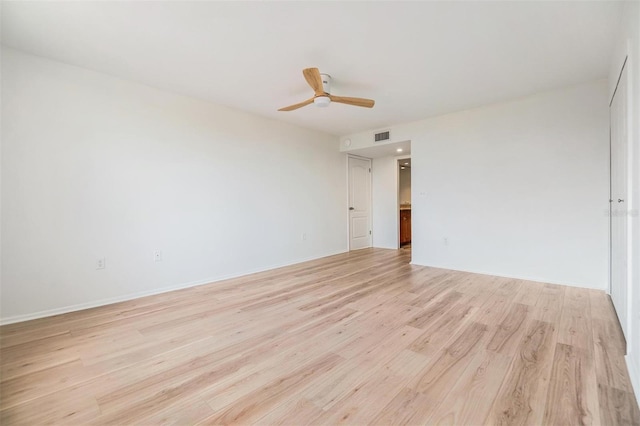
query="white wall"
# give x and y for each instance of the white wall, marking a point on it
(95, 166)
(628, 44)
(384, 198)
(518, 188)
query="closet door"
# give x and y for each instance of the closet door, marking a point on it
(619, 158)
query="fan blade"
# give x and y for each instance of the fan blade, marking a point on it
(367, 103)
(312, 75)
(296, 106)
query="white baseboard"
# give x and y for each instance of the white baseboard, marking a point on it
(108, 301)
(535, 279)
(100, 302)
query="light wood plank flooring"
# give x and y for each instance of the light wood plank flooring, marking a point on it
(358, 338)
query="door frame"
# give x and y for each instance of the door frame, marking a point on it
(397, 164)
(359, 157)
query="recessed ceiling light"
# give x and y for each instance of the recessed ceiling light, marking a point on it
(401, 168)
(399, 150)
(406, 164)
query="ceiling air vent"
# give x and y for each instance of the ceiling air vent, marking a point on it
(382, 136)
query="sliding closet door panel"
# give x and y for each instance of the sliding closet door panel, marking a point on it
(619, 236)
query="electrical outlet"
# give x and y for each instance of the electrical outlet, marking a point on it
(304, 236)
(101, 263)
(445, 241)
(157, 256)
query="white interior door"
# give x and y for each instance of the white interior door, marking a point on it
(619, 158)
(359, 203)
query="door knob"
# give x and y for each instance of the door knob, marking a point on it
(620, 200)
(351, 208)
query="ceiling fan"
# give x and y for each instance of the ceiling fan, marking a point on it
(321, 85)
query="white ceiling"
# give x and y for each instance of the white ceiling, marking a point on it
(416, 59)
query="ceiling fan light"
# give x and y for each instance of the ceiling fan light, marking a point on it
(322, 101)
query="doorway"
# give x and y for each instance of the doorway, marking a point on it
(359, 171)
(404, 202)
(618, 200)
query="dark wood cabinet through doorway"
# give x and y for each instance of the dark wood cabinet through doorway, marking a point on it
(405, 226)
